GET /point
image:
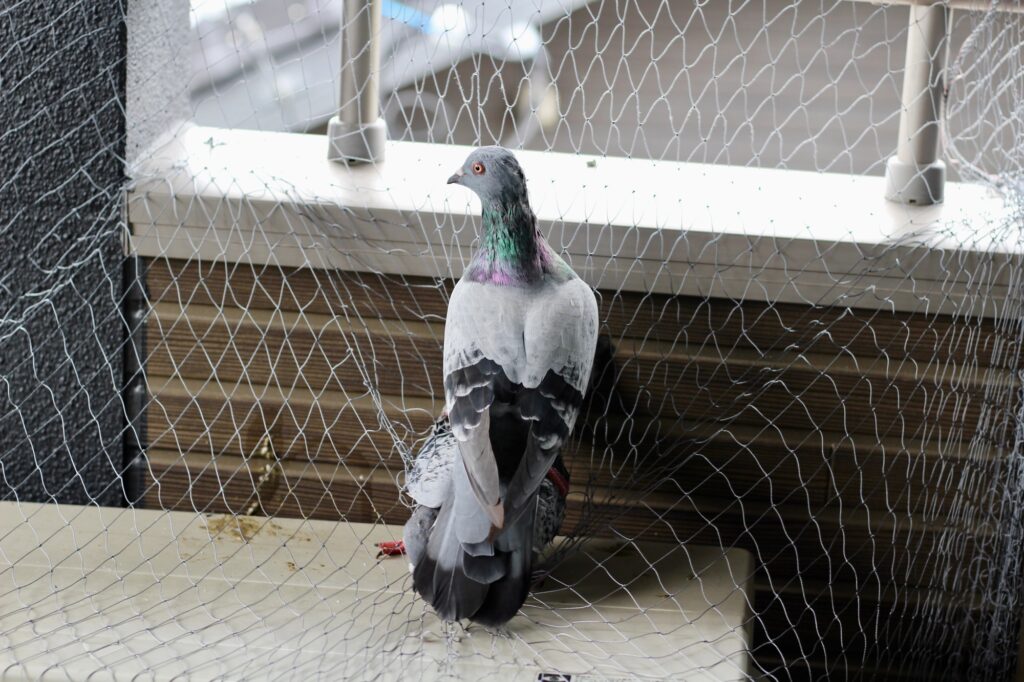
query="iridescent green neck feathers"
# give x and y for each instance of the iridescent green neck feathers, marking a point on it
(512, 250)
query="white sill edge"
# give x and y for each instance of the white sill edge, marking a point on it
(695, 229)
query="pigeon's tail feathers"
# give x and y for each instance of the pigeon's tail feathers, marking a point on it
(439, 576)
(514, 550)
(485, 569)
(486, 582)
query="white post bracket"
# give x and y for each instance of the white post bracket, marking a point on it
(358, 133)
(916, 175)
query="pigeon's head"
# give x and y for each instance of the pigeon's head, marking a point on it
(493, 173)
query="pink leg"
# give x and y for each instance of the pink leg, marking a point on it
(391, 548)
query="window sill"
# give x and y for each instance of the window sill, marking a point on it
(636, 225)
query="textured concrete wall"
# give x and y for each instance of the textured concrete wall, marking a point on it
(157, 71)
(61, 174)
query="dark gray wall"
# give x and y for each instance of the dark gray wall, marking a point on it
(61, 172)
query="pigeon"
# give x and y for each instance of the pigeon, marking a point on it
(519, 343)
(429, 481)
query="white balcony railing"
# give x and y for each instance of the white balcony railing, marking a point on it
(915, 175)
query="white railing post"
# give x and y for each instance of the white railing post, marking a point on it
(358, 132)
(916, 175)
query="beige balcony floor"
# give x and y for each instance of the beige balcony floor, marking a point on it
(103, 594)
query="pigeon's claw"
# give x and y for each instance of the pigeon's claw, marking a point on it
(391, 548)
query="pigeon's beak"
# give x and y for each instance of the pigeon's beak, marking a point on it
(455, 178)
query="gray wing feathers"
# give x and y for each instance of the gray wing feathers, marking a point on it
(471, 527)
(507, 594)
(470, 392)
(552, 408)
(543, 340)
(560, 339)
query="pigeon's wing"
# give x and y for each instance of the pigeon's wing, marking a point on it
(484, 352)
(541, 339)
(560, 337)
(470, 392)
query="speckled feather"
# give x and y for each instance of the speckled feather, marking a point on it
(429, 479)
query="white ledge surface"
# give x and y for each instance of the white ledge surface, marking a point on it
(101, 594)
(624, 224)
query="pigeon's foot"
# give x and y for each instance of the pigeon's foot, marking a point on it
(391, 548)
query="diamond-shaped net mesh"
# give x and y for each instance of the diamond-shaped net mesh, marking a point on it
(798, 454)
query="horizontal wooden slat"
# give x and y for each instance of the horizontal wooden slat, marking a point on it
(265, 287)
(795, 394)
(697, 322)
(902, 480)
(306, 351)
(329, 427)
(404, 358)
(228, 485)
(703, 460)
(793, 542)
(788, 540)
(189, 416)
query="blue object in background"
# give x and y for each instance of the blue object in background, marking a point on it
(410, 16)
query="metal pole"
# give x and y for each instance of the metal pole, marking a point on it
(134, 392)
(358, 132)
(916, 175)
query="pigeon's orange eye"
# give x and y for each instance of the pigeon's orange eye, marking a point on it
(478, 168)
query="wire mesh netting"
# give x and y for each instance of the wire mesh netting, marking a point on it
(798, 452)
